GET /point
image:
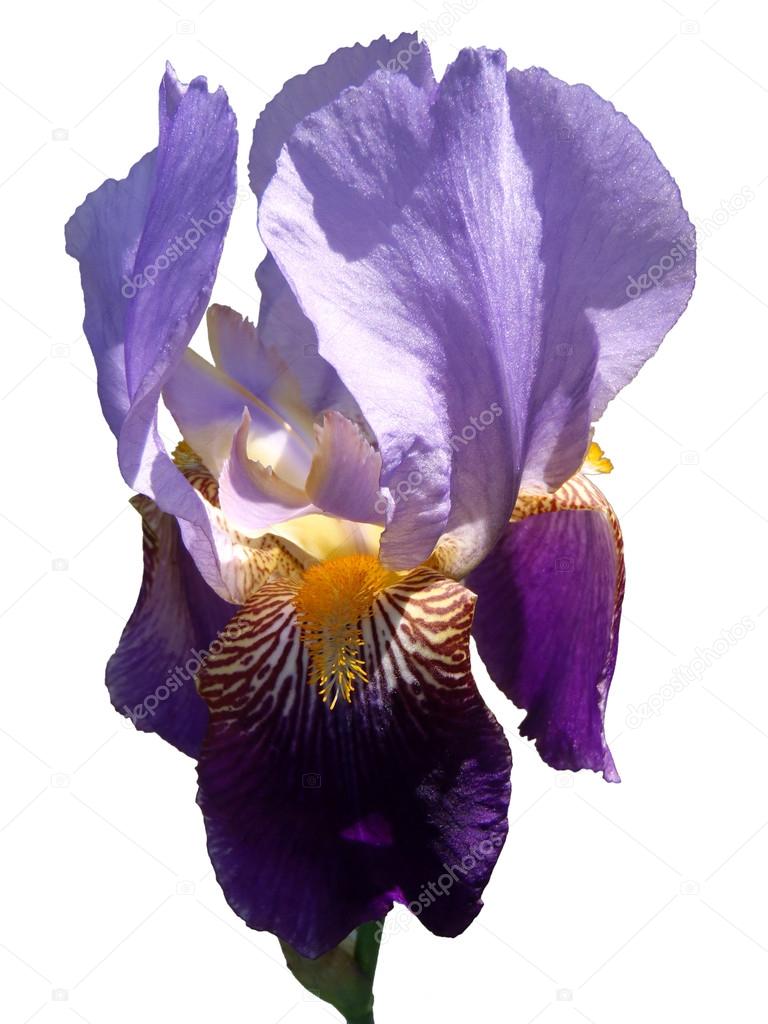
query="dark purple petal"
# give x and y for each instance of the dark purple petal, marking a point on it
(318, 820)
(481, 266)
(150, 677)
(547, 620)
(148, 248)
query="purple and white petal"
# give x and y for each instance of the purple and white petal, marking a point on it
(253, 496)
(240, 350)
(208, 405)
(319, 820)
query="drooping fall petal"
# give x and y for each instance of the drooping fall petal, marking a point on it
(319, 820)
(151, 675)
(547, 620)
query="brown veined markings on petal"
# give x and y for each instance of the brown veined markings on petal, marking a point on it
(253, 561)
(415, 643)
(257, 654)
(254, 687)
(196, 472)
(417, 648)
(437, 619)
(419, 631)
(578, 493)
(152, 523)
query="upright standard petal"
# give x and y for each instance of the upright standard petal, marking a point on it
(282, 324)
(319, 819)
(475, 248)
(284, 328)
(151, 675)
(102, 235)
(547, 620)
(304, 94)
(611, 215)
(148, 249)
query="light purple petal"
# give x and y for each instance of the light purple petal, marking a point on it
(610, 214)
(448, 263)
(148, 248)
(344, 478)
(194, 190)
(282, 324)
(102, 235)
(547, 621)
(207, 406)
(300, 96)
(252, 495)
(285, 330)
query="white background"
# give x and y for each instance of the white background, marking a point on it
(610, 904)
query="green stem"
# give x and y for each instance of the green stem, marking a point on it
(344, 975)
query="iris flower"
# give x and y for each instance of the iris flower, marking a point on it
(460, 276)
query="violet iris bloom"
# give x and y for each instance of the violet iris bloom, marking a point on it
(389, 462)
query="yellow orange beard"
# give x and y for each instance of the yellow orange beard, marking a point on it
(332, 601)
